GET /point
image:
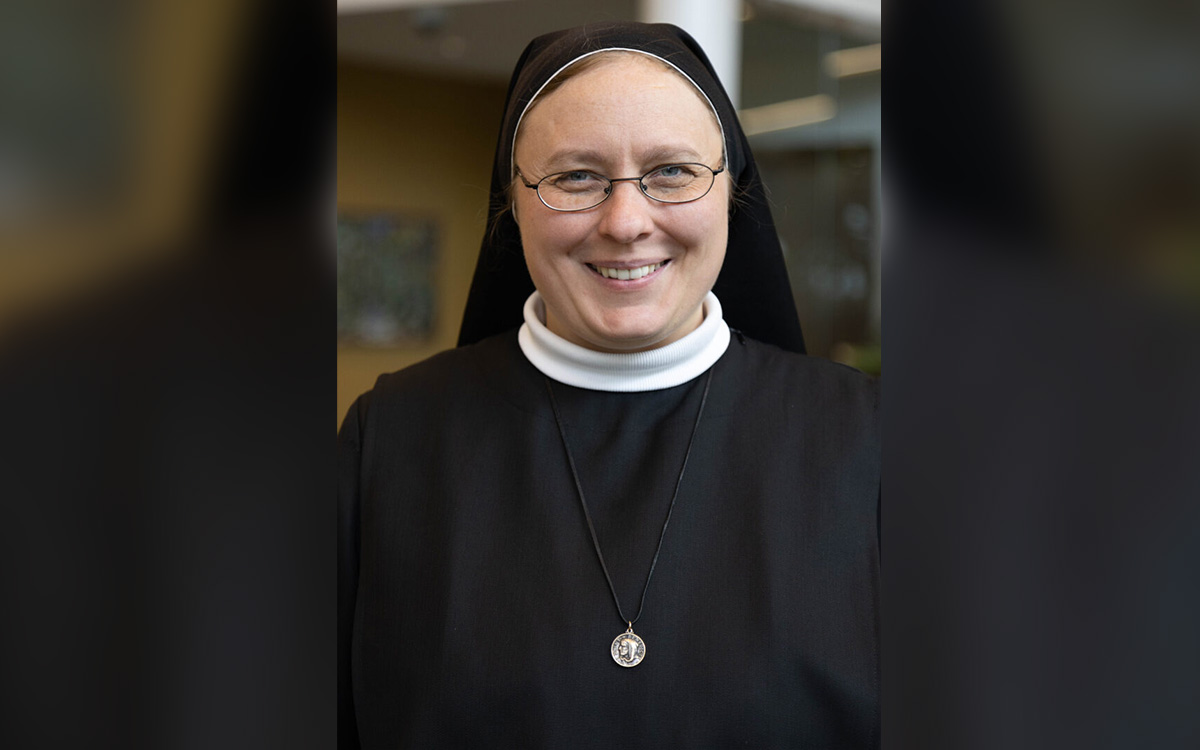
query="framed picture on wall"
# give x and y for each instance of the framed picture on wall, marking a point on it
(385, 278)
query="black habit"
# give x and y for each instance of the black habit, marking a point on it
(472, 608)
(474, 613)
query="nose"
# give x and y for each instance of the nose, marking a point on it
(626, 214)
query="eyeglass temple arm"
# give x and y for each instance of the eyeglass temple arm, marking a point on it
(523, 182)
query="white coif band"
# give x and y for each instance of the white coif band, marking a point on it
(664, 367)
(512, 153)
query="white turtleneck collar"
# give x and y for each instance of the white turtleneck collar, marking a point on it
(655, 369)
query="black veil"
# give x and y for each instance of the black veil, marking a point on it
(753, 287)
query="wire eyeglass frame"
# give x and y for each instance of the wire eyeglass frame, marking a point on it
(611, 181)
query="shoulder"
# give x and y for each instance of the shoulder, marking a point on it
(484, 374)
(803, 381)
(448, 371)
(449, 391)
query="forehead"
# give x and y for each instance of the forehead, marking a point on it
(630, 106)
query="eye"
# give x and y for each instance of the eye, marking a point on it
(576, 181)
(671, 176)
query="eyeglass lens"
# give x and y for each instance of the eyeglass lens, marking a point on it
(578, 190)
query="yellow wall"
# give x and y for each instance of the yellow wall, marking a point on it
(74, 229)
(422, 146)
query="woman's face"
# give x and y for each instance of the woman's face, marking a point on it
(622, 119)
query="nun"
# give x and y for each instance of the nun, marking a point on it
(627, 510)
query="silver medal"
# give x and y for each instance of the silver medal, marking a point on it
(628, 649)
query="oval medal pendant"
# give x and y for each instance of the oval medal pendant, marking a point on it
(628, 649)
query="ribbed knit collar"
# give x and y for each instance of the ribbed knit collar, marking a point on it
(664, 367)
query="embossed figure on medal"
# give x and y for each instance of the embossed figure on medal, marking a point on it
(628, 649)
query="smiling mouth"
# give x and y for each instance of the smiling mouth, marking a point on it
(627, 274)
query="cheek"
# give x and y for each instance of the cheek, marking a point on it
(706, 227)
(707, 235)
(546, 235)
(531, 228)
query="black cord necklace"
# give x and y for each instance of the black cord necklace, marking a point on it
(628, 649)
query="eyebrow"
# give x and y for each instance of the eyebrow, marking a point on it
(571, 157)
(671, 154)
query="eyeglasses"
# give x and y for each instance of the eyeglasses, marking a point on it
(579, 190)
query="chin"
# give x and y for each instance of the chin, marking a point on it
(629, 339)
(635, 330)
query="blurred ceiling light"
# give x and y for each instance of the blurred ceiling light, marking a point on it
(345, 7)
(854, 61)
(793, 113)
(862, 14)
(430, 20)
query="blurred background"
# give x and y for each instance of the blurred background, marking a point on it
(168, 183)
(420, 90)
(166, 315)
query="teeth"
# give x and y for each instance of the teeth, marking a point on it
(626, 274)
